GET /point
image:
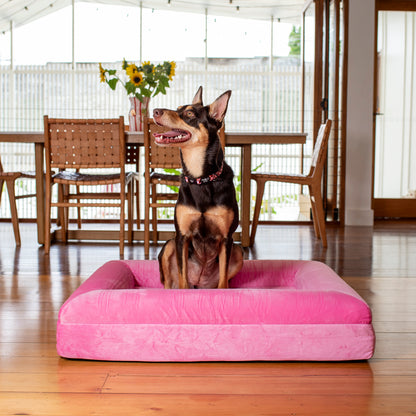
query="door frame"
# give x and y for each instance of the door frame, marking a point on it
(333, 193)
(388, 207)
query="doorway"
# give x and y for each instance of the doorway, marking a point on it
(324, 92)
(394, 183)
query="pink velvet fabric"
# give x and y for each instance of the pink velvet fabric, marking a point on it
(274, 310)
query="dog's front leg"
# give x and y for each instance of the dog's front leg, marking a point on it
(223, 265)
(182, 252)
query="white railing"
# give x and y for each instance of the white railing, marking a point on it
(261, 101)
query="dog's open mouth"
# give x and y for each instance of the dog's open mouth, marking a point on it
(173, 136)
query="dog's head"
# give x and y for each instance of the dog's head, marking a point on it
(191, 124)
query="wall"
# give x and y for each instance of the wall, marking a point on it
(395, 170)
(358, 185)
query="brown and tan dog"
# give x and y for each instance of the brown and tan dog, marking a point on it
(203, 254)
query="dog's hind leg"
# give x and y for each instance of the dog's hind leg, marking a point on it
(168, 266)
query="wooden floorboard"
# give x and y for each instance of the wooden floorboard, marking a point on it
(379, 262)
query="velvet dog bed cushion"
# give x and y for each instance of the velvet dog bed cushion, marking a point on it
(273, 310)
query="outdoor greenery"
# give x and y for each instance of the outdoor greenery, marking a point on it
(294, 41)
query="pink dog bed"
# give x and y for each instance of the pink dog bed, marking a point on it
(274, 310)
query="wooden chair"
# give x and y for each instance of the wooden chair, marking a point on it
(77, 147)
(312, 180)
(10, 179)
(156, 159)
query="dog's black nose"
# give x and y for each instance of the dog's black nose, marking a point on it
(157, 112)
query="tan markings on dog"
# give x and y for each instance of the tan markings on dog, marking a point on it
(169, 257)
(183, 278)
(222, 260)
(193, 158)
(194, 152)
(185, 216)
(222, 217)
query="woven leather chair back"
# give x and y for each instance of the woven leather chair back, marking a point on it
(78, 144)
(159, 157)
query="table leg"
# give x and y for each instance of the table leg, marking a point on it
(245, 194)
(40, 192)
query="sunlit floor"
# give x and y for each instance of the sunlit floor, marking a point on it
(379, 262)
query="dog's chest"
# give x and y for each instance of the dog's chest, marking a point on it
(215, 221)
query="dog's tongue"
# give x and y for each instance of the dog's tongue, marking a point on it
(169, 134)
(173, 136)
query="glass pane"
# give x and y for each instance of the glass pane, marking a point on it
(47, 39)
(308, 76)
(183, 37)
(395, 151)
(106, 33)
(237, 38)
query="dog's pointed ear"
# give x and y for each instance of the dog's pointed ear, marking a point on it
(218, 108)
(198, 97)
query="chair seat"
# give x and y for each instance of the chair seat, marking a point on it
(29, 174)
(281, 177)
(166, 178)
(78, 178)
(10, 175)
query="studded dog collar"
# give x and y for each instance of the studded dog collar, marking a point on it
(211, 178)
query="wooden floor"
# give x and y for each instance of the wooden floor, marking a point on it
(379, 263)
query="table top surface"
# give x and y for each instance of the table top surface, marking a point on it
(232, 138)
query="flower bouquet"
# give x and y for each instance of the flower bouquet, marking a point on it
(141, 83)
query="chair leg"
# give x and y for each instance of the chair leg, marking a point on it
(259, 198)
(130, 191)
(1, 188)
(154, 215)
(13, 211)
(47, 229)
(122, 222)
(318, 213)
(137, 202)
(146, 227)
(154, 225)
(314, 213)
(63, 213)
(79, 220)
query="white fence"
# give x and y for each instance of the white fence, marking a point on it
(261, 101)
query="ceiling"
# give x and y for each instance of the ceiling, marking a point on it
(25, 11)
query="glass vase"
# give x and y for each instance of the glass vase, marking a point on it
(138, 110)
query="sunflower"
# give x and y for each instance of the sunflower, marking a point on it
(132, 70)
(172, 70)
(148, 68)
(102, 73)
(136, 78)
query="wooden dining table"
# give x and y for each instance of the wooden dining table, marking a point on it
(234, 139)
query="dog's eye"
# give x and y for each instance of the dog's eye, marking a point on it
(190, 114)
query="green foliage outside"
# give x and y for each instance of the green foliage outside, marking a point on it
(294, 41)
